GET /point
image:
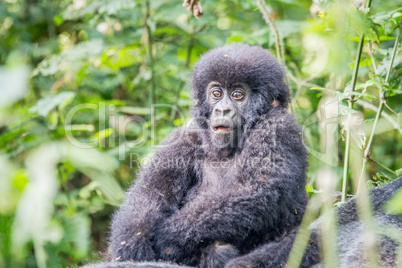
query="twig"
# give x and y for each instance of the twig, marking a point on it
(300, 84)
(382, 165)
(390, 109)
(269, 20)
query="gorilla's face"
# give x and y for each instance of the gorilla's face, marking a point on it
(233, 86)
(226, 104)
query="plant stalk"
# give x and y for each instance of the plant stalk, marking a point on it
(351, 101)
(182, 83)
(377, 116)
(303, 235)
(269, 20)
(350, 104)
(152, 90)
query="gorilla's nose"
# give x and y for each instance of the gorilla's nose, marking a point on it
(223, 111)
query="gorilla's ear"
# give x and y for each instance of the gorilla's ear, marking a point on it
(275, 103)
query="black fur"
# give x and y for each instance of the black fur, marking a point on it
(350, 237)
(130, 264)
(182, 203)
(217, 255)
(351, 242)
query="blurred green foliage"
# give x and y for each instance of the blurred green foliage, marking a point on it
(73, 73)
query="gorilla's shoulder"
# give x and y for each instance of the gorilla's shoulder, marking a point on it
(281, 118)
(380, 195)
(384, 193)
(277, 127)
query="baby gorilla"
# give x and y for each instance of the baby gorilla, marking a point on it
(227, 184)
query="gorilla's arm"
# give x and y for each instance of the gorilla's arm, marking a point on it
(270, 200)
(276, 254)
(154, 195)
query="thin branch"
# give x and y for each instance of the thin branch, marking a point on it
(382, 165)
(270, 21)
(300, 84)
(377, 116)
(152, 91)
(390, 109)
(393, 55)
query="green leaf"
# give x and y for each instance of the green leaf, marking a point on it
(398, 172)
(134, 110)
(13, 84)
(53, 120)
(79, 228)
(234, 39)
(309, 188)
(103, 134)
(388, 19)
(58, 20)
(394, 205)
(345, 110)
(45, 105)
(179, 121)
(320, 88)
(69, 60)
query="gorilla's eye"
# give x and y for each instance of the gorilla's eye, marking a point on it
(217, 93)
(238, 95)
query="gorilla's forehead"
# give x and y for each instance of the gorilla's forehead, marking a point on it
(235, 63)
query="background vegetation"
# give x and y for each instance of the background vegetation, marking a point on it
(77, 70)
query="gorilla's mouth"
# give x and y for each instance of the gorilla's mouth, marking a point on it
(221, 128)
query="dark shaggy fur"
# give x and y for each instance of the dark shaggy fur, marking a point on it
(350, 237)
(130, 264)
(182, 204)
(351, 242)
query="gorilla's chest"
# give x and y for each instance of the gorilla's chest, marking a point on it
(214, 177)
(218, 175)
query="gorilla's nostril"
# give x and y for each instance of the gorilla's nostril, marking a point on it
(223, 111)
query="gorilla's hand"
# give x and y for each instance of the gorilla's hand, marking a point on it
(217, 255)
(214, 255)
(135, 248)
